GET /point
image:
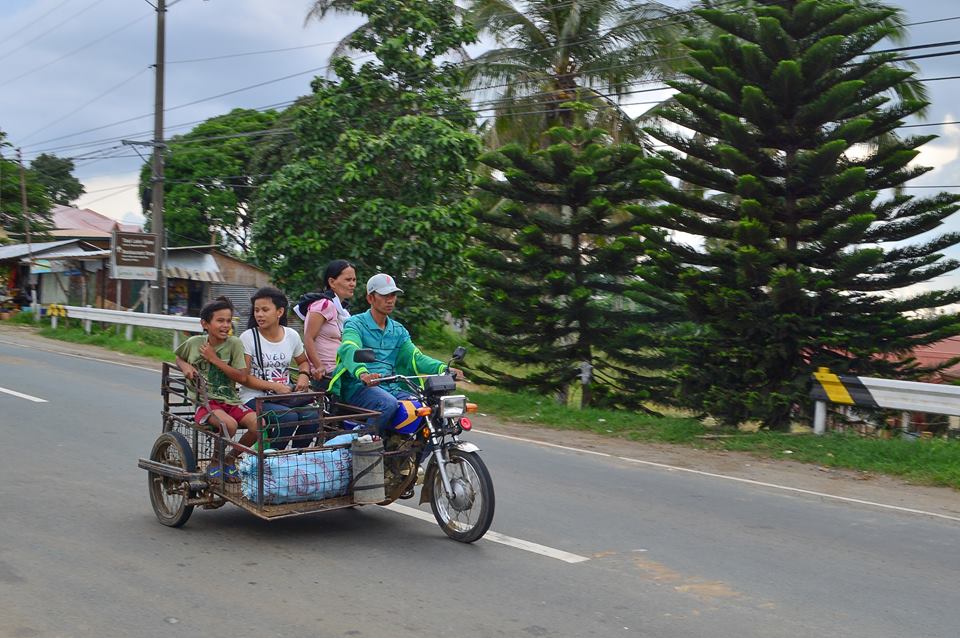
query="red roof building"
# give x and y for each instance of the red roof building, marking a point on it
(937, 353)
(76, 222)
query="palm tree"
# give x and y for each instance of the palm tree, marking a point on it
(554, 51)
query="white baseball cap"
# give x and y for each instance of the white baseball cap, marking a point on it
(382, 284)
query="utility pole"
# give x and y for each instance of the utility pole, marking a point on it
(23, 201)
(26, 227)
(156, 206)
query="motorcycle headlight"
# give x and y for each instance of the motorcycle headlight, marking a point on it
(453, 406)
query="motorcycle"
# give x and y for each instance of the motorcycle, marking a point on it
(424, 444)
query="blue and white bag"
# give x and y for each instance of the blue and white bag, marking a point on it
(293, 478)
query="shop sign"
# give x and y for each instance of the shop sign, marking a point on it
(134, 256)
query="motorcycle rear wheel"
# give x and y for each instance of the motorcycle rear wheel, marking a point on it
(467, 516)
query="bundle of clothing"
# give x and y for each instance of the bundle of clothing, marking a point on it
(293, 478)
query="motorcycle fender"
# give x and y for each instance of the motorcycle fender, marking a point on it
(426, 492)
(464, 446)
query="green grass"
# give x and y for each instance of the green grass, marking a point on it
(147, 342)
(532, 408)
(928, 462)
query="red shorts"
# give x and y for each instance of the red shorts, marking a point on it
(236, 412)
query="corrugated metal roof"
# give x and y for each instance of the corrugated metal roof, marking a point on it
(75, 252)
(21, 250)
(197, 266)
(68, 217)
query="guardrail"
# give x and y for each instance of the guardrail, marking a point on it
(869, 392)
(125, 317)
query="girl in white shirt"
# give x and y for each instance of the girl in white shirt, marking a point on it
(271, 350)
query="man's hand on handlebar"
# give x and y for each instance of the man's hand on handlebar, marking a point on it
(457, 374)
(370, 378)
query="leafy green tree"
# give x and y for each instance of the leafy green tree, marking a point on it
(11, 203)
(55, 174)
(804, 250)
(552, 51)
(562, 289)
(209, 180)
(381, 173)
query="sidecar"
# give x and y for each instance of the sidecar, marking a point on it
(337, 465)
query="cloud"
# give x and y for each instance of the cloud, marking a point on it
(115, 196)
(941, 153)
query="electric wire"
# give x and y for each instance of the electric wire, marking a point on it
(13, 33)
(412, 76)
(51, 29)
(488, 87)
(75, 51)
(86, 104)
(914, 24)
(250, 53)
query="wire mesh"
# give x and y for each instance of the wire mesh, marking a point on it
(302, 454)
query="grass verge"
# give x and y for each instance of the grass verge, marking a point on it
(934, 462)
(147, 342)
(926, 462)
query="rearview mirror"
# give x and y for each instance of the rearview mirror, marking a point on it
(364, 355)
(459, 353)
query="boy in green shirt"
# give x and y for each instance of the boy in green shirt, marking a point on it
(215, 363)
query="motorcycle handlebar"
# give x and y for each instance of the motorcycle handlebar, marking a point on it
(408, 379)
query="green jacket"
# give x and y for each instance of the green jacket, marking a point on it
(395, 353)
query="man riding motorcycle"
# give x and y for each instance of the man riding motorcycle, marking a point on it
(358, 383)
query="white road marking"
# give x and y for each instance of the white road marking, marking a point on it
(77, 356)
(496, 537)
(674, 468)
(23, 396)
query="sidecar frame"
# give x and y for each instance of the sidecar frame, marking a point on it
(177, 466)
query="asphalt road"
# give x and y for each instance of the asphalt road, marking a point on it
(668, 554)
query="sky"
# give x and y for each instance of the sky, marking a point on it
(69, 66)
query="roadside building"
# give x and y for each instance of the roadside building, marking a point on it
(68, 271)
(198, 274)
(74, 269)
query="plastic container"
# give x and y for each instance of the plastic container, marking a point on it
(368, 484)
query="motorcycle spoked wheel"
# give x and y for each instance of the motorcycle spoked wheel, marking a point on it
(467, 515)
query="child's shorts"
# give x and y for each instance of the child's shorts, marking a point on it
(236, 412)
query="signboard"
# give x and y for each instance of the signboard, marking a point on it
(134, 256)
(40, 267)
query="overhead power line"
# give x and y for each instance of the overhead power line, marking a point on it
(75, 51)
(23, 28)
(670, 19)
(87, 103)
(915, 24)
(249, 53)
(50, 30)
(101, 141)
(260, 84)
(914, 47)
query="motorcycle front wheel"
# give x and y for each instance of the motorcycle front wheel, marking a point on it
(466, 515)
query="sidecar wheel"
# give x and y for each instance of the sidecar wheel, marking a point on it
(169, 497)
(467, 516)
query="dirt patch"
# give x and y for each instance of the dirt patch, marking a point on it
(837, 482)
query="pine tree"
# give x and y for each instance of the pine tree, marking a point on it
(557, 268)
(791, 182)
